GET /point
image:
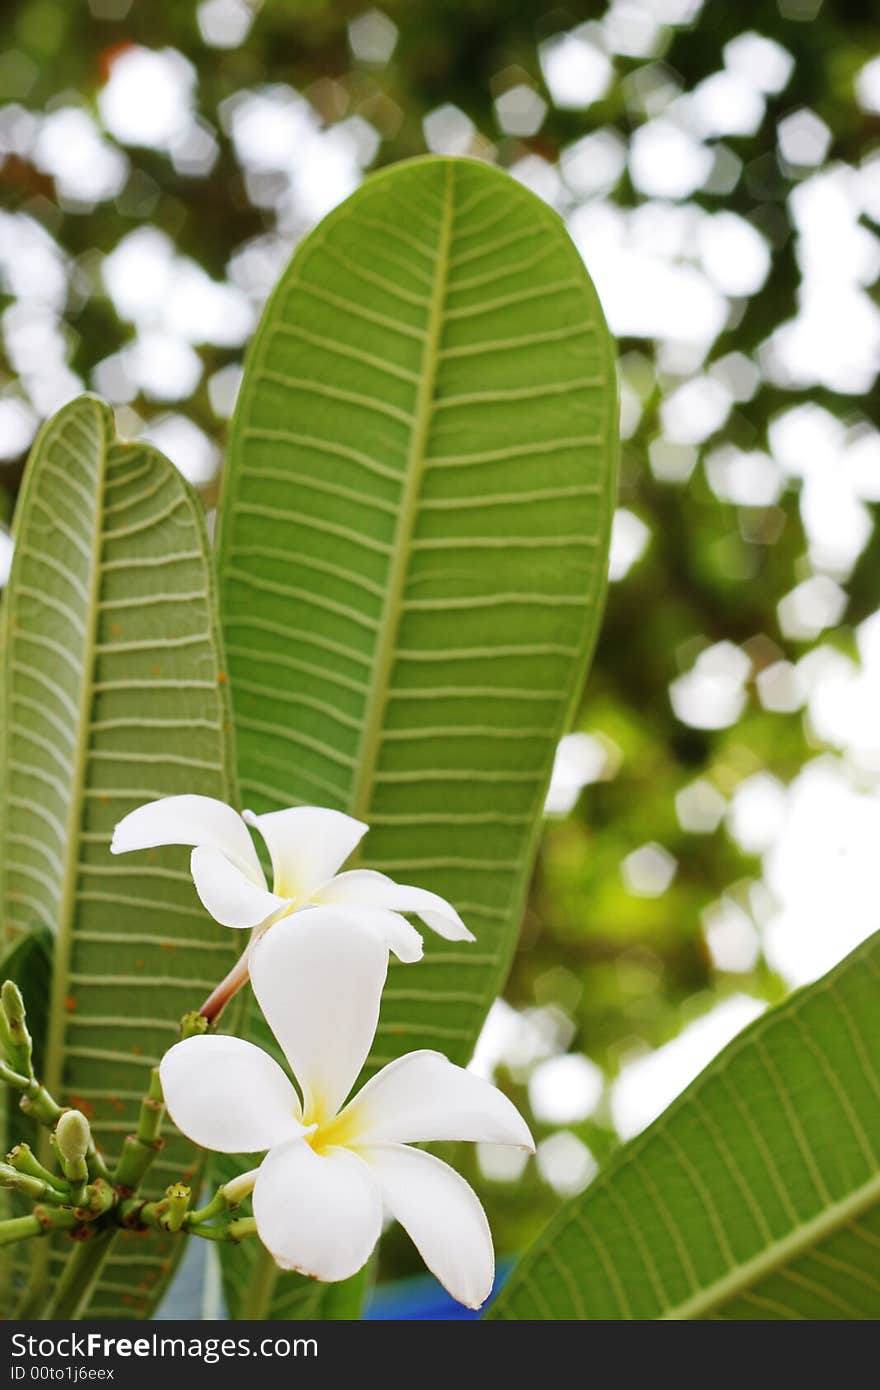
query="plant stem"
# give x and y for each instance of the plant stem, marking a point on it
(75, 1285)
(141, 1148)
(232, 1232)
(178, 1197)
(97, 1164)
(242, 1227)
(19, 1228)
(33, 1189)
(100, 1197)
(137, 1215)
(94, 1212)
(220, 997)
(35, 1098)
(24, 1160)
(41, 1221)
(216, 1205)
(37, 1101)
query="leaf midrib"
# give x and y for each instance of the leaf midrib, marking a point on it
(772, 1257)
(358, 793)
(804, 1237)
(265, 1275)
(389, 621)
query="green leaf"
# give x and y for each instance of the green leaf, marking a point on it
(113, 694)
(755, 1195)
(413, 548)
(255, 1288)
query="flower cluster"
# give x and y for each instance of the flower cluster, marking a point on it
(334, 1164)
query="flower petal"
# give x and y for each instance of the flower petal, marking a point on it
(366, 888)
(398, 935)
(318, 977)
(423, 1097)
(229, 895)
(189, 820)
(307, 845)
(442, 1215)
(229, 1095)
(318, 1213)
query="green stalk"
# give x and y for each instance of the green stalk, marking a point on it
(37, 1101)
(72, 1291)
(178, 1197)
(41, 1221)
(19, 1228)
(142, 1147)
(241, 1228)
(100, 1197)
(31, 1188)
(23, 1158)
(215, 1207)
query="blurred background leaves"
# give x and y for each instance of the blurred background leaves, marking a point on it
(714, 817)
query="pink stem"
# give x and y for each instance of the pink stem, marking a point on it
(220, 997)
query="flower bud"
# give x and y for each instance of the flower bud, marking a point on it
(192, 1025)
(13, 1004)
(73, 1135)
(176, 1206)
(238, 1188)
(14, 1036)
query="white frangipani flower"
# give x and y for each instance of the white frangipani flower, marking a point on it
(332, 1167)
(307, 846)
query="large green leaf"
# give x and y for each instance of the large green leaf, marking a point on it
(254, 1288)
(113, 694)
(755, 1195)
(413, 546)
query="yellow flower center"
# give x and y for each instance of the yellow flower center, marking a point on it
(338, 1131)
